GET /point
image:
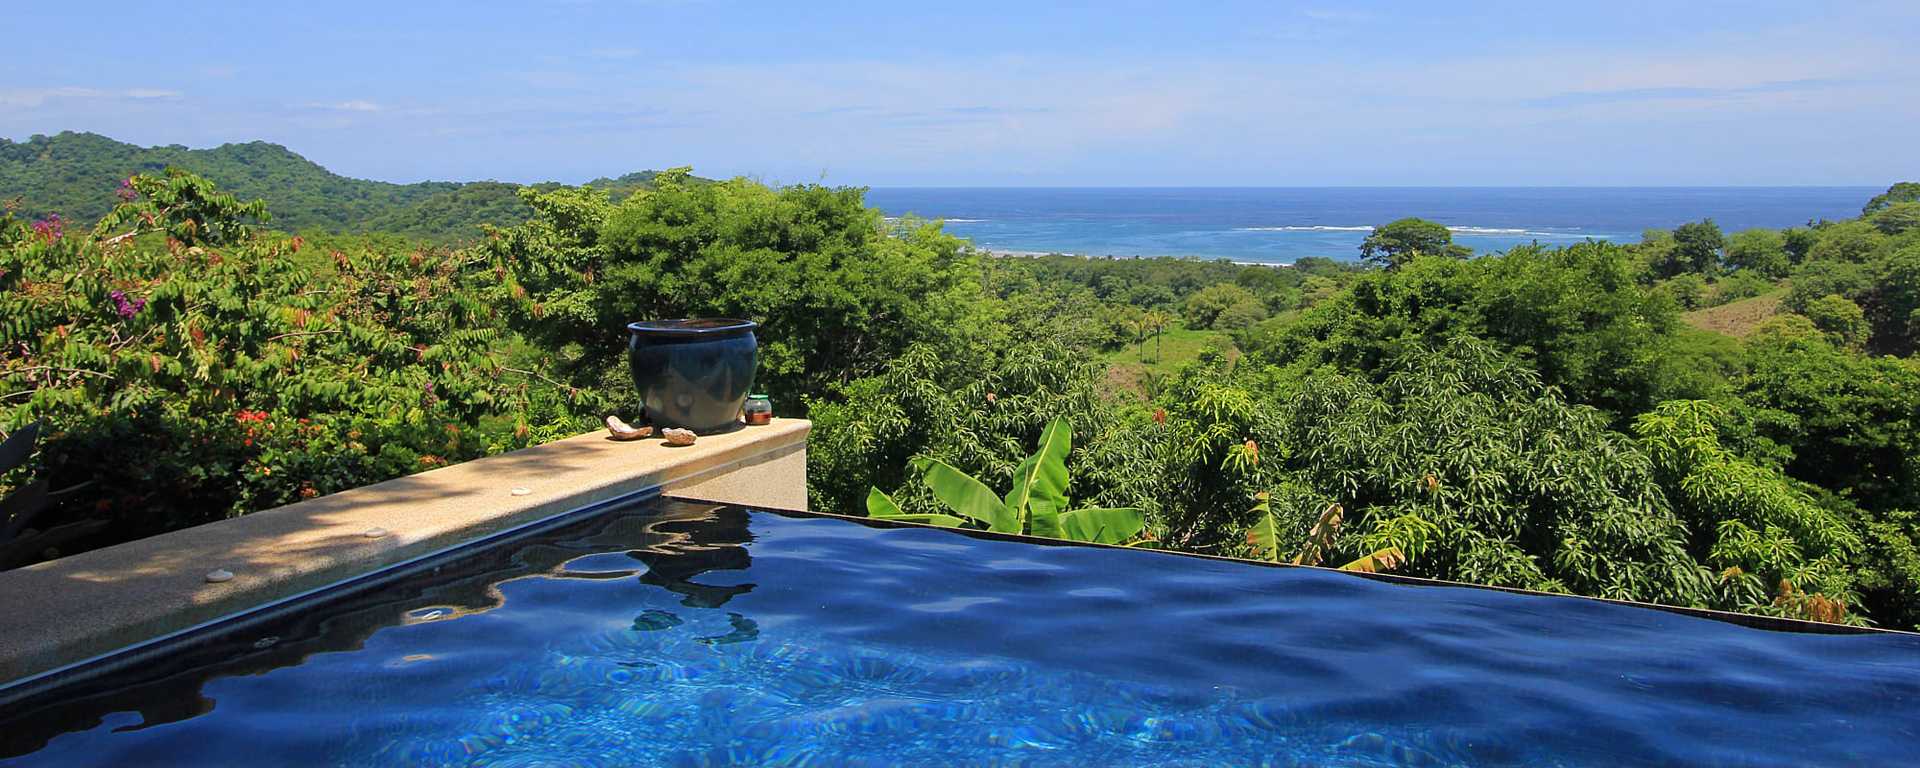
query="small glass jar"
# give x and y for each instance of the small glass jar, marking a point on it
(758, 411)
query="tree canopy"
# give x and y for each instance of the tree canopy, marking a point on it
(1395, 243)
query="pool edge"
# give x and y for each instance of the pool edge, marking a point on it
(62, 613)
(1748, 620)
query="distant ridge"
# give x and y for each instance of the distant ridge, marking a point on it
(76, 175)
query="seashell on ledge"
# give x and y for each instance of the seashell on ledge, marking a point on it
(678, 436)
(620, 430)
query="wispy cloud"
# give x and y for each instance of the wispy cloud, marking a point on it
(1685, 93)
(985, 109)
(352, 105)
(29, 98)
(1338, 15)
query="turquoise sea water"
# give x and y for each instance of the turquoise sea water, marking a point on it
(1281, 224)
(683, 634)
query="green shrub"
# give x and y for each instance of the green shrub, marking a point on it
(188, 367)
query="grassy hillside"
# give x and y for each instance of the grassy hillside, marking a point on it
(1737, 318)
(76, 175)
(1131, 366)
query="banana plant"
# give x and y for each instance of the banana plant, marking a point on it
(1264, 536)
(1036, 505)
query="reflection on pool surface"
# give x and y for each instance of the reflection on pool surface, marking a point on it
(684, 634)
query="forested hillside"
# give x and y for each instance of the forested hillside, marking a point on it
(1554, 418)
(78, 177)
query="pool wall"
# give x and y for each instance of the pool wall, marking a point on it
(63, 612)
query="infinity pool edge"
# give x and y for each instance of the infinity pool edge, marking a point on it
(63, 612)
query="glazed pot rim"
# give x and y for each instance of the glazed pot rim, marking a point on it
(694, 326)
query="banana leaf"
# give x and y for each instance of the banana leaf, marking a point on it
(1039, 492)
(944, 521)
(1104, 525)
(1265, 533)
(967, 496)
(879, 504)
(1383, 560)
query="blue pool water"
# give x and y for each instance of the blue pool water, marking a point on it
(681, 634)
(1278, 225)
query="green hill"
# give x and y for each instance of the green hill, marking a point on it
(76, 175)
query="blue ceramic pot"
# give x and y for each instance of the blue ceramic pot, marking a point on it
(693, 374)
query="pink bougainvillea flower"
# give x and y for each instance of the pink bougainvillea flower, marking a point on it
(127, 308)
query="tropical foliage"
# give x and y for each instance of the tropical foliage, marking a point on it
(1036, 505)
(187, 366)
(1562, 419)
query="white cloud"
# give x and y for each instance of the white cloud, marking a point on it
(352, 105)
(31, 98)
(1338, 15)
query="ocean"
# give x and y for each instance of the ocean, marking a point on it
(1280, 224)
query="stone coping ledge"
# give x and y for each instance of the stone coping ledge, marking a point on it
(61, 612)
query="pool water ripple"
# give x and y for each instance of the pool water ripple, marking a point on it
(685, 635)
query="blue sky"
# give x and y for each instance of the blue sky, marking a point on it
(989, 93)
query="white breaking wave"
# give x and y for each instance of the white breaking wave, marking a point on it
(1455, 230)
(1316, 228)
(891, 219)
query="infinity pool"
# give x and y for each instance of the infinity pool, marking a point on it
(682, 634)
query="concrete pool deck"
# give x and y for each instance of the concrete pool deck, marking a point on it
(64, 611)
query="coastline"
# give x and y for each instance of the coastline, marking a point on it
(1012, 253)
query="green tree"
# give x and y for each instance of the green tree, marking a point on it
(1154, 322)
(1901, 192)
(978, 416)
(1696, 249)
(1799, 242)
(1776, 551)
(1897, 218)
(1223, 306)
(1895, 304)
(837, 290)
(1477, 472)
(1828, 278)
(1850, 422)
(1856, 242)
(1763, 251)
(1397, 242)
(1841, 320)
(1688, 289)
(1743, 284)
(1578, 315)
(189, 210)
(1240, 316)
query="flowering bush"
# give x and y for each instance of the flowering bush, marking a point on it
(189, 367)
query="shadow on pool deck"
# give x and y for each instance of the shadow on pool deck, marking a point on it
(63, 611)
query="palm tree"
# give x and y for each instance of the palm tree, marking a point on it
(1155, 321)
